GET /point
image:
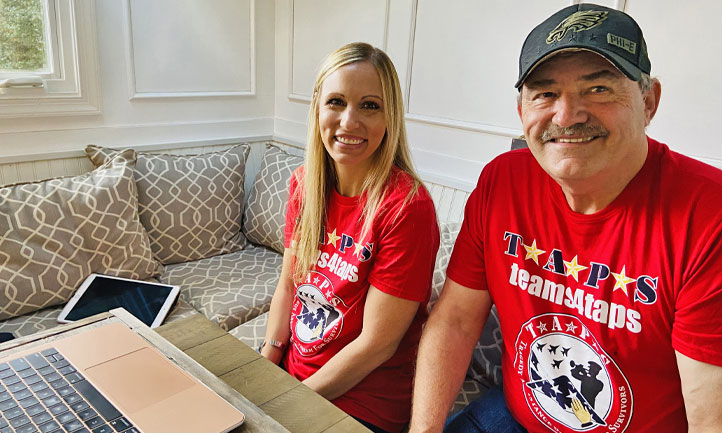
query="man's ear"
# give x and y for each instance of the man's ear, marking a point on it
(651, 101)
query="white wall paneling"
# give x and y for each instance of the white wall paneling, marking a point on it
(318, 27)
(687, 63)
(35, 170)
(28, 171)
(465, 59)
(186, 48)
(234, 100)
(449, 202)
(463, 64)
(614, 4)
(32, 146)
(457, 62)
(290, 130)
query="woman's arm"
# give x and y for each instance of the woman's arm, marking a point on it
(385, 322)
(280, 314)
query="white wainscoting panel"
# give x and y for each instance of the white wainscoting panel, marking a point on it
(614, 4)
(449, 202)
(684, 45)
(182, 48)
(29, 171)
(36, 170)
(322, 26)
(465, 58)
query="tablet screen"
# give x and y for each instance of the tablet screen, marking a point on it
(142, 300)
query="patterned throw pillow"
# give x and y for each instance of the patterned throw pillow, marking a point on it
(485, 366)
(55, 233)
(191, 205)
(265, 216)
(447, 236)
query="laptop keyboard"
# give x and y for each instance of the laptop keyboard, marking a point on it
(43, 393)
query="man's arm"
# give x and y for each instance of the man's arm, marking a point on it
(702, 391)
(453, 328)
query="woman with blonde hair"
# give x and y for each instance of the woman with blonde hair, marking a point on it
(361, 241)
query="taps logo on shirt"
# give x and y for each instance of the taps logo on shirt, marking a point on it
(570, 383)
(317, 312)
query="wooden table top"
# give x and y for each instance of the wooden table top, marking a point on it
(285, 399)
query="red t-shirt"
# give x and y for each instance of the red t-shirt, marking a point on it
(593, 307)
(397, 257)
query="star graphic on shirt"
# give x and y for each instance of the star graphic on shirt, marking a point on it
(573, 268)
(357, 247)
(622, 280)
(571, 327)
(329, 293)
(532, 252)
(333, 238)
(315, 281)
(542, 327)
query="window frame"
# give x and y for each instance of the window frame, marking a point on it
(71, 87)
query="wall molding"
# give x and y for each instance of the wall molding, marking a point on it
(446, 170)
(616, 4)
(130, 62)
(299, 97)
(465, 126)
(410, 54)
(442, 121)
(290, 130)
(29, 146)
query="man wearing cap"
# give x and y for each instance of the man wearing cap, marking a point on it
(600, 247)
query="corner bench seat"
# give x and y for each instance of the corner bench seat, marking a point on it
(232, 279)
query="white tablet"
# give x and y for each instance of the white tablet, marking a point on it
(149, 302)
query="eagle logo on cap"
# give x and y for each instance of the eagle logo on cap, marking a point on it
(576, 22)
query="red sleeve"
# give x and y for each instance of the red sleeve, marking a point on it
(466, 265)
(405, 253)
(697, 330)
(293, 206)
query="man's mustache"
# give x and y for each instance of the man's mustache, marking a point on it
(579, 129)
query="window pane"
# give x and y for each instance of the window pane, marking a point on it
(22, 39)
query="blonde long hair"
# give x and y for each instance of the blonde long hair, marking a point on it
(319, 170)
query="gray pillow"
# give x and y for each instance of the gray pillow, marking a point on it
(54, 233)
(447, 236)
(265, 216)
(191, 205)
(485, 366)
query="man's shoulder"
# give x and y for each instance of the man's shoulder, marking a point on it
(513, 165)
(698, 170)
(687, 172)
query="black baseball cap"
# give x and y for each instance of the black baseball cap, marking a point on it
(607, 32)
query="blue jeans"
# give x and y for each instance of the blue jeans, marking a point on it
(486, 414)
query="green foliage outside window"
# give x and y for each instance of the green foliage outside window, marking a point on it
(22, 44)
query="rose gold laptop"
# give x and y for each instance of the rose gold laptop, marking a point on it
(106, 380)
